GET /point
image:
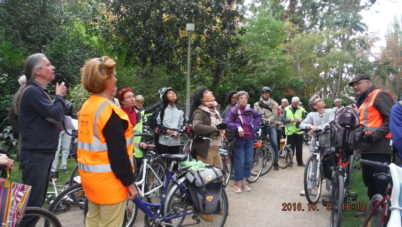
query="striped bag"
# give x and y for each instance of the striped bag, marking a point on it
(13, 201)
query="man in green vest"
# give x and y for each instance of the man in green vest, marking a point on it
(293, 116)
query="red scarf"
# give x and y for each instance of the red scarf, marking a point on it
(132, 115)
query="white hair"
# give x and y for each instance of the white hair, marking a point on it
(285, 100)
(295, 99)
(22, 80)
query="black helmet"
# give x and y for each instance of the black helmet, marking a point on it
(265, 89)
(163, 90)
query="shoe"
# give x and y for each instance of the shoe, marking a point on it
(221, 212)
(302, 193)
(276, 166)
(246, 188)
(300, 165)
(236, 189)
(206, 217)
(290, 164)
(63, 169)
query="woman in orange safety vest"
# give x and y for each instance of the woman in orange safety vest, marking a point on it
(105, 147)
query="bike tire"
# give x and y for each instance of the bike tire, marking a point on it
(177, 203)
(130, 214)
(268, 159)
(374, 214)
(159, 169)
(257, 165)
(75, 172)
(337, 197)
(72, 196)
(227, 169)
(285, 158)
(312, 194)
(46, 218)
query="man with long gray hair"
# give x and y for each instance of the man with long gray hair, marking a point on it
(39, 121)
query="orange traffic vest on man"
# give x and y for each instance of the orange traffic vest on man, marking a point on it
(370, 117)
(100, 184)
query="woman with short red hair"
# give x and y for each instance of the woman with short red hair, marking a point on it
(127, 102)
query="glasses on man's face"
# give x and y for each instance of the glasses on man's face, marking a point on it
(317, 101)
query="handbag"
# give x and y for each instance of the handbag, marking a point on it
(13, 201)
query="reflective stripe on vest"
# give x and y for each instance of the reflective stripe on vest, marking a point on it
(97, 168)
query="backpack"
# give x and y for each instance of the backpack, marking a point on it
(206, 188)
(346, 131)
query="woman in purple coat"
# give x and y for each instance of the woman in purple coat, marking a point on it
(244, 121)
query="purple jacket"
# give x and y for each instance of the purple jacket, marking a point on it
(252, 118)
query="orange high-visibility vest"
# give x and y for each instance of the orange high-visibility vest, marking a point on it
(370, 117)
(100, 184)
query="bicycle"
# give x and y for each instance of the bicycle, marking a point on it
(44, 217)
(316, 168)
(227, 161)
(262, 135)
(385, 210)
(339, 184)
(285, 155)
(176, 201)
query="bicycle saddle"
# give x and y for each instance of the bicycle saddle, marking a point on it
(177, 157)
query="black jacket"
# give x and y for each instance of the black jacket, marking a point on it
(376, 143)
(40, 119)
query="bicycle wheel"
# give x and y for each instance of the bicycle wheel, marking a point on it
(258, 163)
(74, 173)
(154, 178)
(69, 203)
(337, 197)
(227, 169)
(312, 180)
(285, 157)
(268, 159)
(45, 217)
(178, 203)
(374, 214)
(130, 214)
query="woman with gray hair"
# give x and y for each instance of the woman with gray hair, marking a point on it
(245, 121)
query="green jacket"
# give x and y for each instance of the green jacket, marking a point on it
(292, 127)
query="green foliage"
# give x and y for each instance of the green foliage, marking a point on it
(78, 95)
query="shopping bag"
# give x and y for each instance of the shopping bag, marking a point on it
(13, 200)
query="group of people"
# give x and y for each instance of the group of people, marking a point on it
(107, 145)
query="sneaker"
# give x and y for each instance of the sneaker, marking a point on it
(246, 188)
(236, 189)
(63, 169)
(276, 166)
(290, 164)
(300, 165)
(206, 217)
(302, 193)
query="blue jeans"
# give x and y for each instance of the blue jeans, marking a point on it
(274, 142)
(243, 158)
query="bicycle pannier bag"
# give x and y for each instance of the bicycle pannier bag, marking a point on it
(206, 187)
(346, 131)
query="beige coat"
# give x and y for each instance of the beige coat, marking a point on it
(268, 115)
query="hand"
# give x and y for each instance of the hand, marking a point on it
(132, 191)
(169, 132)
(293, 120)
(143, 145)
(61, 89)
(313, 127)
(241, 133)
(4, 160)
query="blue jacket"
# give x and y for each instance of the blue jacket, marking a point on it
(40, 119)
(395, 126)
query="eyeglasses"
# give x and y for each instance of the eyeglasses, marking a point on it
(320, 100)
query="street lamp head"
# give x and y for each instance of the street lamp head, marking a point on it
(190, 27)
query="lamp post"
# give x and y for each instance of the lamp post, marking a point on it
(190, 29)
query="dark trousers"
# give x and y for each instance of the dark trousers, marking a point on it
(162, 149)
(35, 172)
(374, 186)
(296, 142)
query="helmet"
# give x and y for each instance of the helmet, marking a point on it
(265, 89)
(163, 90)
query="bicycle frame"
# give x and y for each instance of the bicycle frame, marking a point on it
(145, 206)
(383, 204)
(141, 184)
